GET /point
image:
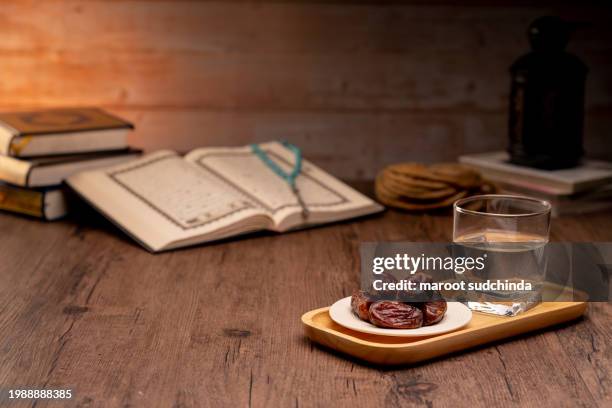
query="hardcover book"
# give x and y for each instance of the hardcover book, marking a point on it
(52, 170)
(588, 175)
(61, 131)
(165, 201)
(597, 199)
(47, 203)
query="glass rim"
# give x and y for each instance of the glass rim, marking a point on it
(457, 205)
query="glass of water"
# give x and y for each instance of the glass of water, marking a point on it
(510, 233)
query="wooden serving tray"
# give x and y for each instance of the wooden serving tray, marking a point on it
(483, 328)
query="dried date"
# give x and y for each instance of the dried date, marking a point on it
(386, 294)
(416, 295)
(395, 315)
(360, 303)
(433, 312)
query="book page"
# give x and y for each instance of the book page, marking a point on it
(162, 198)
(326, 198)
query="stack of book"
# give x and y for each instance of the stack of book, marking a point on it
(38, 150)
(582, 189)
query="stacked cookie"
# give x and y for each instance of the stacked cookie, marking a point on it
(414, 186)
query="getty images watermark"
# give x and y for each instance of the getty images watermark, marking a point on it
(551, 272)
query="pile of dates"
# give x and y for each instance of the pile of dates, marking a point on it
(392, 314)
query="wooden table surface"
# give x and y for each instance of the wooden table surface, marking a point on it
(84, 308)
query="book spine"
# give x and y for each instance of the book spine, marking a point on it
(22, 201)
(18, 144)
(6, 139)
(14, 171)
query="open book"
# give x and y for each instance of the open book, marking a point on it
(167, 201)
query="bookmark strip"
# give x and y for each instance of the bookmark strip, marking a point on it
(288, 177)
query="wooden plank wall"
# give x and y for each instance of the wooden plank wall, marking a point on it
(357, 84)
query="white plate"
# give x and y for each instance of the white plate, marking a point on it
(457, 315)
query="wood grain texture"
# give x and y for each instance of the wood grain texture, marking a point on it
(83, 307)
(224, 72)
